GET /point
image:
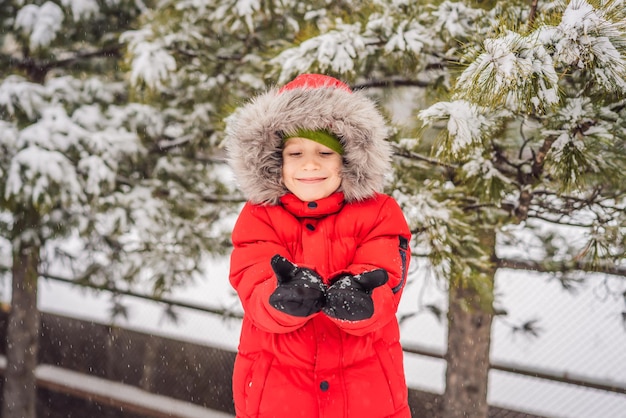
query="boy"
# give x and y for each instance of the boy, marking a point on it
(320, 256)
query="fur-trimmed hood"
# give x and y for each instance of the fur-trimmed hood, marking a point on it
(254, 136)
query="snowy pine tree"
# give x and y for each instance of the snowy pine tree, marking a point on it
(96, 185)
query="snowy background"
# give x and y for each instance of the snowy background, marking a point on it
(582, 333)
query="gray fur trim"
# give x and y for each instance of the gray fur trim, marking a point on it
(254, 142)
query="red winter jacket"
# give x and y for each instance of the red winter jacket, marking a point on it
(319, 366)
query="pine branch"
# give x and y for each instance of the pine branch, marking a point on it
(533, 12)
(37, 69)
(551, 266)
(559, 221)
(163, 145)
(401, 152)
(391, 83)
(224, 199)
(540, 157)
(575, 203)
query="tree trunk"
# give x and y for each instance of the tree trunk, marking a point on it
(470, 315)
(22, 345)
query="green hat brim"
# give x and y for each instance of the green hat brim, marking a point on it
(320, 136)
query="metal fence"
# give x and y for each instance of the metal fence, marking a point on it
(574, 367)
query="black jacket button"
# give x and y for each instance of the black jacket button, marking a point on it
(310, 227)
(324, 386)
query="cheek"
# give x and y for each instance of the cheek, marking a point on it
(287, 172)
(339, 170)
(284, 172)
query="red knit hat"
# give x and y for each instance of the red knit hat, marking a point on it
(314, 81)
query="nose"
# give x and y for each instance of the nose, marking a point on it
(310, 163)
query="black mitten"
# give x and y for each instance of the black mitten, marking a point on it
(300, 291)
(350, 297)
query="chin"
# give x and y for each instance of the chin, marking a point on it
(308, 198)
(311, 197)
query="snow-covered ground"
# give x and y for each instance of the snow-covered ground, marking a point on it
(582, 334)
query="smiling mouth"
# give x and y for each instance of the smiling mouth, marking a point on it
(312, 180)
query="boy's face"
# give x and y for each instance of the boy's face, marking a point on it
(311, 171)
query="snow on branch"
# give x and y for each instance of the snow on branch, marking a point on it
(581, 131)
(336, 51)
(35, 175)
(587, 38)
(466, 125)
(523, 71)
(406, 36)
(41, 24)
(151, 63)
(17, 93)
(82, 9)
(457, 20)
(513, 70)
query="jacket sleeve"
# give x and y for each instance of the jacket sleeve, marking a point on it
(255, 241)
(385, 245)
